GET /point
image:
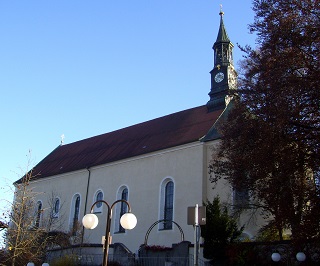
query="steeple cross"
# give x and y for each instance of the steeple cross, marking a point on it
(221, 12)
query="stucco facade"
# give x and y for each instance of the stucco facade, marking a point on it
(143, 176)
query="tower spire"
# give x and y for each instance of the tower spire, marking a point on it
(223, 75)
(222, 42)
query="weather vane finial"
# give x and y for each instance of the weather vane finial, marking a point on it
(221, 12)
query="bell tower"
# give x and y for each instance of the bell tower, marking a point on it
(223, 74)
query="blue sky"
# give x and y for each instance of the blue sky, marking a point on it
(84, 68)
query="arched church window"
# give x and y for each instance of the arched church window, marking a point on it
(56, 208)
(99, 205)
(123, 208)
(75, 214)
(167, 204)
(38, 214)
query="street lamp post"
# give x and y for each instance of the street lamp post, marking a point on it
(127, 221)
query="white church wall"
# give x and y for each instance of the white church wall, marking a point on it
(63, 187)
(222, 188)
(142, 176)
(186, 166)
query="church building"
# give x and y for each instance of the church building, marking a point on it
(159, 166)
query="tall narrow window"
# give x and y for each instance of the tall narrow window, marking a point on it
(38, 214)
(75, 221)
(99, 197)
(98, 206)
(124, 208)
(168, 206)
(56, 208)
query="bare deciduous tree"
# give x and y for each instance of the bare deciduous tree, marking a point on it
(33, 229)
(25, 238)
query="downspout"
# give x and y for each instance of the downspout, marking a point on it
(86, 201)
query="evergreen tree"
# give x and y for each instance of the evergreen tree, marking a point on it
(220, 230)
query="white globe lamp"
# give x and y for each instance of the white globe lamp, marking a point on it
(276, 257)
(301, 256)
(128, 221)
(90, 221)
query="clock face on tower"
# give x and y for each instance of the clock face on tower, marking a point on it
(219, 77)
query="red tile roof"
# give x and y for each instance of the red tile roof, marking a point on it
(161, 133)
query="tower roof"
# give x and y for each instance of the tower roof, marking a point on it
(222, 34)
